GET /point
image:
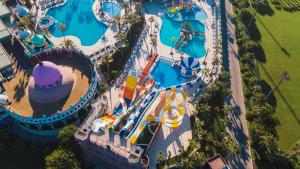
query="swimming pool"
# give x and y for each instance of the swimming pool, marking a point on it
(166, 74)
(112, 9)
(80, 21)
(171, 28)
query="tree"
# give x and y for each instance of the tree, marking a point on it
(68, 43)
(117, 20)
(173, 39)
(160, 157)
(62, 29)
(151, 20)
(137, 8)
(267, 142)
(186, 25)
(25, 21)
(295, 154)
(125, 6)
(153, 42)
(66, 137)
(61, 159)
(108, 59)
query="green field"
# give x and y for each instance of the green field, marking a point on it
(280, 40)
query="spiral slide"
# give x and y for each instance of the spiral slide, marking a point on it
(171, 108)
(164, 109)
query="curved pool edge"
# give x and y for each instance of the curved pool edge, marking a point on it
(177, 50)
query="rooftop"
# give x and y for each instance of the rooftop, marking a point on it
(4, 34)
(6, 61)
(4, 11)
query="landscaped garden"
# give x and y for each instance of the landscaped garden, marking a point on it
(280, 42)
(267, 38)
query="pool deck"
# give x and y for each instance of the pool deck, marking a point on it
(109, 34)
(176, 139)
(167, 139)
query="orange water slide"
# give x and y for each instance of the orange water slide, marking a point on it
(149, 64)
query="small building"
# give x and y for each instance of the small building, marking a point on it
(216, 162)
(4, 11)
(4, 14)
(6, 64)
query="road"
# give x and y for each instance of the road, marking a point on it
(238, 129)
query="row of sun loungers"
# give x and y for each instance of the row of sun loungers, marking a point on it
(50, 3)
(104, 51)
(134, 54)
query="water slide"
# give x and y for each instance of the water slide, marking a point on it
(181, 40)
(149, 64)
(163, 110)
(144, 85)
(145, 118)
(126, 95)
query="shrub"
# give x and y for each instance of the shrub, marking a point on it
(246, 16)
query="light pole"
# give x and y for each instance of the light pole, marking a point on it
(284, 76)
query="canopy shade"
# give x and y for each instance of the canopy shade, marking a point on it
(38, 40)
(189, 65)
(22, 10)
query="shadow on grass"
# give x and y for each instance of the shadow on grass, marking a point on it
(266, 88)
(289, 6)
(283, 49)
(281, 95)
(264, 8)
(253, 32)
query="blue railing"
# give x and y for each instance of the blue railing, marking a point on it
(73, 109)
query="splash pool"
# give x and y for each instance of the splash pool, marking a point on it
(171, 27)
(80, 21)
(166, 74)
(112, 9)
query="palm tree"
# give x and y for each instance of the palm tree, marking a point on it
(68, 43)
(151, 20)
(25, 21)
(206, 71)
(173, 39)
(62, 29)
(108, 59)
(123, 38)
(187, 26)
(185, 163)
(185, 44)
(125, 6)
(117, 21)
(100, 1)
(137, 8)
(204, 61)
(160, 157)
(267, 142)
(153, 42)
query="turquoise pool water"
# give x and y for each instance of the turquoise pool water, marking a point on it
(111, 9)
(80, 21)
(166, 75)
(171, 28)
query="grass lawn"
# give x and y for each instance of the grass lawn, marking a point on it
(280, 40)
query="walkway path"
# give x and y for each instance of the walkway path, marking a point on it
(238, 129)
(171, 140)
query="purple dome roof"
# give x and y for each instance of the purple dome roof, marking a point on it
(46, 74)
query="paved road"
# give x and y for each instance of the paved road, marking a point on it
(238, 129)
